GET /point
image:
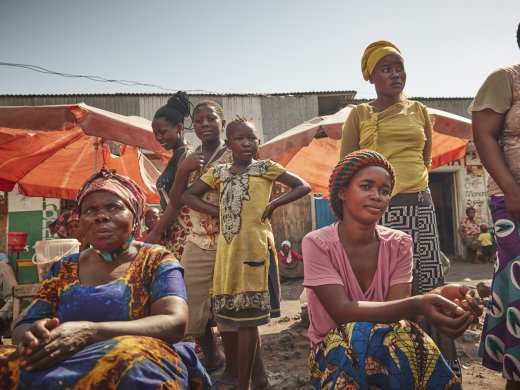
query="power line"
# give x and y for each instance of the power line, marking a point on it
(96, 78)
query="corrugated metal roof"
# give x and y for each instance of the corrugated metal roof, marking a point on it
(332, 93)
(420, 98)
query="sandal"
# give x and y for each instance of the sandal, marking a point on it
(230, 383)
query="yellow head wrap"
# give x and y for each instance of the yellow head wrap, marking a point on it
(373, 53)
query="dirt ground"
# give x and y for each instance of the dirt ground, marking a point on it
(285, 344)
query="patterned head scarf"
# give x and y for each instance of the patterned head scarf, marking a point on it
(74, 216)
(373, 53)
(347, 168)
(121, 186)
(64, 217)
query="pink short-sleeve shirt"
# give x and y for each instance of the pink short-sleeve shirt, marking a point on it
(326, 262)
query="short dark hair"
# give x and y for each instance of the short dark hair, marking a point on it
(210, 103)
(468, 209)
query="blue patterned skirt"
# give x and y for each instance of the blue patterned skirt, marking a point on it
(362, 355)
(125, 362)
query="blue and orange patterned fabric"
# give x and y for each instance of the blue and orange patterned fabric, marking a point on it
(364, 355)
(119, 363)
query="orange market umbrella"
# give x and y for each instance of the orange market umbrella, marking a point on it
(54, 162)
(129, 130)
(311, 149)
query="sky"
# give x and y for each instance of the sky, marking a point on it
(242, 46)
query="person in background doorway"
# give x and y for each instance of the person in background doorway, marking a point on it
(290, 262)
(486, 242)
(469, 229)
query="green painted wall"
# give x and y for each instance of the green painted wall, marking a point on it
(30, 222)
(35, 223)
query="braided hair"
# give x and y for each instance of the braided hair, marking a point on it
(176, 109)
(347, 168)
(237, 121)
(214, 105)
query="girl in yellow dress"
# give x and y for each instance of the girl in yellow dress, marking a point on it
(245, 290)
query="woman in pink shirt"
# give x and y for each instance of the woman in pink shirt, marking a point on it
(358, 277)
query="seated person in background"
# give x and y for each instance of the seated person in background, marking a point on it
(110, 317)
(58, 227)
(469, 230)
(358, 275)
(73, 230)
(290, 262)
(7, 282)
(486, 242)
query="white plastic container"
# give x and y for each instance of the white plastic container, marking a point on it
(49, 251)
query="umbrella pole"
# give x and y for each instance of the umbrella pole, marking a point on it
(96, 148)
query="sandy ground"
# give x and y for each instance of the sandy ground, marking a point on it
(285, 345)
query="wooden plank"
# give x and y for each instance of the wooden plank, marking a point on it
(22, 295)
(292, 221)
(25, 290)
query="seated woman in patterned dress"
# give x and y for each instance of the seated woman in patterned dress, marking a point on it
(358, 277)
(111, 316)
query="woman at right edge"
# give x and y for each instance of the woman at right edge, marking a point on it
(401, 131)
(496, 130)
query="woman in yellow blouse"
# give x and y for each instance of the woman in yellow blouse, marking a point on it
(401, 131)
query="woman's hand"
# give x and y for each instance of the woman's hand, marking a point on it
(462, 296)
(448, 317)
(268, 212)
(192, 162)
(58, 342)
(36, 336)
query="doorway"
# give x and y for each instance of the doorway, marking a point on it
(442, 189)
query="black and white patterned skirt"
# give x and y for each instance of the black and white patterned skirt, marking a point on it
(414, 214)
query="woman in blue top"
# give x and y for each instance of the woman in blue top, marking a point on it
(111, 316)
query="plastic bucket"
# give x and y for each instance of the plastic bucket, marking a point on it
(49, 251)
(16, 241)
